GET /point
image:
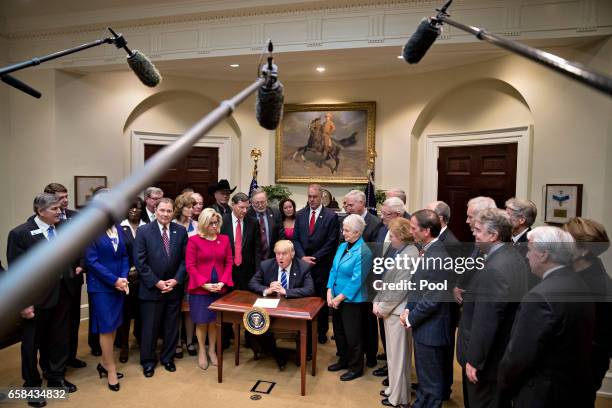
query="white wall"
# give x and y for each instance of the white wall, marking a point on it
(81, 125)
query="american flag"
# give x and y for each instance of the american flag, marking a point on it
(253, 187)
(370, 193)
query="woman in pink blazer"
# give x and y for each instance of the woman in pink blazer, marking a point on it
(209, 265)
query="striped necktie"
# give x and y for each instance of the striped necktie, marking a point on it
(284, 279)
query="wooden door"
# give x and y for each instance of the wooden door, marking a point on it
(197, 171)
(465, 172)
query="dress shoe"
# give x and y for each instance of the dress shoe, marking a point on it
(96, 352)
(386, 403)
(383, 393)
(70, 387)
(192, 349)
(385, 382)
(178, 353)
(123, 354)
(148, 371)
(382, 356)
(37, 403)
(114, 387)
(170, 367)
(76, 363)
(350, 375)
(336, 367)
(322, 339)
(103, 373)
(281, 362)
(381, 372)
(371, 363)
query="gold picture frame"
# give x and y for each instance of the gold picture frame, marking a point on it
(325, 143)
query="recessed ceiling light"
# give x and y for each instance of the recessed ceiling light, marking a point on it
(400, 57)
(320, 69)
(234, 65)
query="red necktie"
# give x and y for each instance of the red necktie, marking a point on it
(166, 240)
(312, 223)
(238, 245)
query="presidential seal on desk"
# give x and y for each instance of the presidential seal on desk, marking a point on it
(256, 320)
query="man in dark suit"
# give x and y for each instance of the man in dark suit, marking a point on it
(489, 307)
(356, 204)
(152, 195)
(548, 356)
(221, 192)
(427, 311)
(392, 208)
(269, 220)
(282, 276)
(315, 240)
(245, 237)
(47, 322)
(522, 215)
(159, 258)
(455, 250)
(75, 283)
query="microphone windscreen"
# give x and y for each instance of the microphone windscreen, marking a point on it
(144, 69)
(269, 105)
(422, 39)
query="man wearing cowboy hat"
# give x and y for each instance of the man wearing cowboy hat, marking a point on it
(221, 191)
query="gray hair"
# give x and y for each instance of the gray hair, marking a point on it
(316, 187)
(152, 190)
(259, 190)
(359, 195)
(442, 210)
(523, 208)
(496, 221)
(481, 203)
(559, 244)
(395, 204)
(397, 192)
(42, 201)
(239, 197)
(355, 223)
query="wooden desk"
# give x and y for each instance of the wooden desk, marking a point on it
(291, 314)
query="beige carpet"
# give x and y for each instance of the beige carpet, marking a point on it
(189, 386)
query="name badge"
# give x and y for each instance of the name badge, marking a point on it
(36, 232)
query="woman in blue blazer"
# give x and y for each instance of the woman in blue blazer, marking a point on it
(345, 294)
(107, 284)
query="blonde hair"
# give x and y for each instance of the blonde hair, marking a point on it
(182, 201)
(204, 220)
(589, 235)
(400, 227)
(284, 245)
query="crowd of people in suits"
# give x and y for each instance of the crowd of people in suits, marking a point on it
(531, 326)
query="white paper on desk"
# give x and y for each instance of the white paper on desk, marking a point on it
(267, 303)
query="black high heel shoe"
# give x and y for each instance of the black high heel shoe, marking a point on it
(103, 373)
(113, 387)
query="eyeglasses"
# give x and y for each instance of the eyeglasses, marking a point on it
(213, 223)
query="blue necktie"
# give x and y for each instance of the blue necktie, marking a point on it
(284, 279)
(51, 232)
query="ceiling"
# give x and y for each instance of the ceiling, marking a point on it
(346, 64)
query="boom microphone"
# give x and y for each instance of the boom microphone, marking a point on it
(270, 96)
(423, 38)
(140, 64)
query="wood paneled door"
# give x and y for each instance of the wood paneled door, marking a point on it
(465, 172)
(197, 171)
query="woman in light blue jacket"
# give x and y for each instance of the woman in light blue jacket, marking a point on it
(345, 294)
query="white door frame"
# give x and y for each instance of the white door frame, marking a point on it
(223, 143)
(521, 135)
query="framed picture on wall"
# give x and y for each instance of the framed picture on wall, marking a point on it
(84, 187)
(562, 202)
(325, 143)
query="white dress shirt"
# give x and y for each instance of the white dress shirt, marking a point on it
(44, 227)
